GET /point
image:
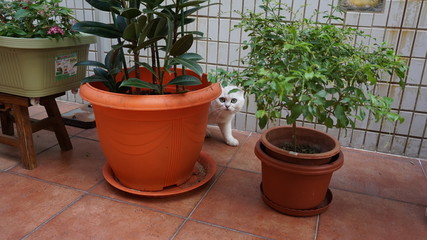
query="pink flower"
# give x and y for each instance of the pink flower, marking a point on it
(55, 30)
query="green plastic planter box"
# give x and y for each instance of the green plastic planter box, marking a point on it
(37, 67)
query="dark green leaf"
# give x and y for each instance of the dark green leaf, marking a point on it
(190, 64)
(182, 45)
(135, 82)
(98, 29)
(104, 5)
(185, 80)
(91, 63)
(191, 56)
(130, 32)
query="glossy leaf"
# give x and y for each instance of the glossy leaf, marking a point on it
(98, 29)
(104, 5)
(91, 63)
(135, 82)
(190, 64)
(185, 80)
(182, 45)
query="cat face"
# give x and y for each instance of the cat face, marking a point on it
(232, 102)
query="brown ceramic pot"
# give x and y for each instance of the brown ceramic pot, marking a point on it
(274, 138)
(295, 187)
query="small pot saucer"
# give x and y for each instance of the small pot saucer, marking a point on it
(203, 171)
(322, 207)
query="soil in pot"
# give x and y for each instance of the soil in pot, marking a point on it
(274, 138)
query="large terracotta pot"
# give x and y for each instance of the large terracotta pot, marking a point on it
(151, 141)
(294, 189)
(274, 138)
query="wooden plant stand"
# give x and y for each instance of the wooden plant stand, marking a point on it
(14, 108)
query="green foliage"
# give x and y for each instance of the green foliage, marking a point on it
(312, 70)
(146, 24)
(35, 19)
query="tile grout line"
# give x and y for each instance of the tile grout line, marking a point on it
(197, 204)
(230, 229)
(380, 197)
(316, 231)
(48, 182)
(54, 216)
(186, 219)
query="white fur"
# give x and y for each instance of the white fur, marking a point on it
(222, 111)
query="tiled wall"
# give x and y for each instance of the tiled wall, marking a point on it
(403, 24)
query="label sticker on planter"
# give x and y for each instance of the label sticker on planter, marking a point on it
(64, 66)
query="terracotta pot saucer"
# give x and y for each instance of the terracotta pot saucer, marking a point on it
(203, 171)
(322, 207)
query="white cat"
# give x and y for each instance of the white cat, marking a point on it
(222, 111)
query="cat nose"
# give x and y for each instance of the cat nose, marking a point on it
(227, 106)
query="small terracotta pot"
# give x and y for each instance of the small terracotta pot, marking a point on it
(151, 141)
(295, 186)
(274, 138)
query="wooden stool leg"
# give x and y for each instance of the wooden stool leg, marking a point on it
(58, 124)
(6, 123)
(25, 136)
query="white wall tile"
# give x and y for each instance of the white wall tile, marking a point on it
(403, 128)
(419, 122)
(396, 13)
(357, 138)
(412, 147)
(409, 98)
(398, 145)
(384, 143)
(420, 49)
(405, 43)
(412, 13)
(423, 149)
(423, 17)
(415, 70)
(224, 30)
(213, 29)
(422, 100)
(380, 19)
(371, 140)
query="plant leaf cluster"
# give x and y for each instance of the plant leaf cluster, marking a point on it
(151, 25)
(313, 70)
(35, 19)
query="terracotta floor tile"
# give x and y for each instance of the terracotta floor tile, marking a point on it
(89, 133)
(218, 149)
(9, 157)
(235, 202)
(358, 216)
(381, 175)
(245, 158)
(181, 205)
(197, 231)
(80, 168)
(98, 218)
(42, 140)
(26, 203)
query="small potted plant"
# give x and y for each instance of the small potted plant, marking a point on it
(151, 115)
(315, 72)
(38, 48)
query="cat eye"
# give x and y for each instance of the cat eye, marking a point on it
(234, 100)
(221, 99)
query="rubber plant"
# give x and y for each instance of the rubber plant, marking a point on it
(138, 25)
(316, 71)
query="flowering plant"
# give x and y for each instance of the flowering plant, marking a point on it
(35, 19)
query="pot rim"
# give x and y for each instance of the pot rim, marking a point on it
(296, 168)
(108, 99)
(321, 155)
